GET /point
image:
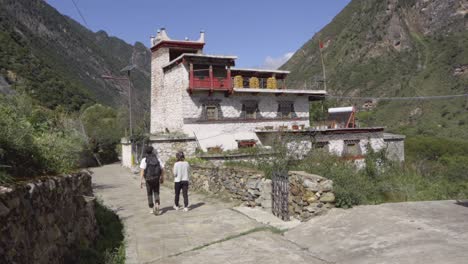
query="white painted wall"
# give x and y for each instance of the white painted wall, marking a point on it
(225, 134)
(158, 93)
(232, 106)
(127, 155)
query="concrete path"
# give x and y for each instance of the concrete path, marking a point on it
(211, 232)
(419, 232)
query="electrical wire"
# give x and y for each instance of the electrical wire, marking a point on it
(435, 97)
(79, 12)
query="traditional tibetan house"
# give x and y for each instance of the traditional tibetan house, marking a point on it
(223, 107)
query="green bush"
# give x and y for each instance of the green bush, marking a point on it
(109, 247)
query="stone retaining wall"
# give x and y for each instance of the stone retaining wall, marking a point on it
(309, 195)
(45, 220)
(240, 184)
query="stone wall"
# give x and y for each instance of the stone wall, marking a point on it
(310, 195)
(239, 184)
(45, 220)
(168, 147)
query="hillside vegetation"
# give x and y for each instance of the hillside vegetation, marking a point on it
(395, 48)
(59, 62)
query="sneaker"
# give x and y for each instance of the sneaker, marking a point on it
(176, 207)
(185, 209)
(151, 211)
(156, 211)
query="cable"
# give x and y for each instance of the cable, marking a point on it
(399, 98)
(79, 12)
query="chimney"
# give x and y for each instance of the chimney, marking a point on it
(202, 36)
(158, 36)
(164, 34)
(152, 38)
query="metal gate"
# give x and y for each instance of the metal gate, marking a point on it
(280, 193)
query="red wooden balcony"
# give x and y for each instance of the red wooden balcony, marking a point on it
(215, 83)
(211, 82)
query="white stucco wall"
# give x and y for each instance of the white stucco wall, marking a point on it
(226, 134)
(158, 94)
(232, 106)
(127, 155)
(176, 83)
(336, 147)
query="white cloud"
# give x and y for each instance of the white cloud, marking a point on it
(275, 63)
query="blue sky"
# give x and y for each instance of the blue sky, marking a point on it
(261, 33)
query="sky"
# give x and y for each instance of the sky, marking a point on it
(261, 33)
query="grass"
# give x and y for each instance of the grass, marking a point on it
(109, 247)
(435, 169)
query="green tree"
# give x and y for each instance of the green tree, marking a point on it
(103, 131)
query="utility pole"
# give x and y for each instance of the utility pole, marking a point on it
(127, 70)
(321, 46)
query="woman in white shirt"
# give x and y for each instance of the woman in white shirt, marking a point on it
(181, 180)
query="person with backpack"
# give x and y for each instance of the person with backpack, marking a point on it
(152, 173)
(181, 179)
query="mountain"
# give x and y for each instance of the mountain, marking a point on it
(395, 48)
(60, 63)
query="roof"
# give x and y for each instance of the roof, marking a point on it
(340, 110)
(194, 55)
(394, 136)
(349, 130)
(259, 70)
(280, 91)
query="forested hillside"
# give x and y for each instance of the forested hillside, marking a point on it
(395, 48)
(59, 62)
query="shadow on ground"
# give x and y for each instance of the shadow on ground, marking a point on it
(170, 208)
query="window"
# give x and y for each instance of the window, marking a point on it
(250, 110)
(321, 145)
(247, 143)
(286, 110)
(211, 109)
(352, 148)
(211, 112)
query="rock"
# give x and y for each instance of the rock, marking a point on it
(326, 186)
(294, 190)
(253, 184)
(13, 203)
(4, 189)
(206, 186)
(311, 199)
(328, 197)
(4, 210)
(305, 216)
(311, 209)
(32, 188)
(267, 204)
(310, 185)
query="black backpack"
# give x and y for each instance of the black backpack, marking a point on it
(153, 168)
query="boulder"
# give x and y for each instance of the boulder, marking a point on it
(310, 185)
(3, 209)
(326, 186)
(327, 197)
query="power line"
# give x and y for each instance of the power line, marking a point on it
(436, 97)
(79, 12)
